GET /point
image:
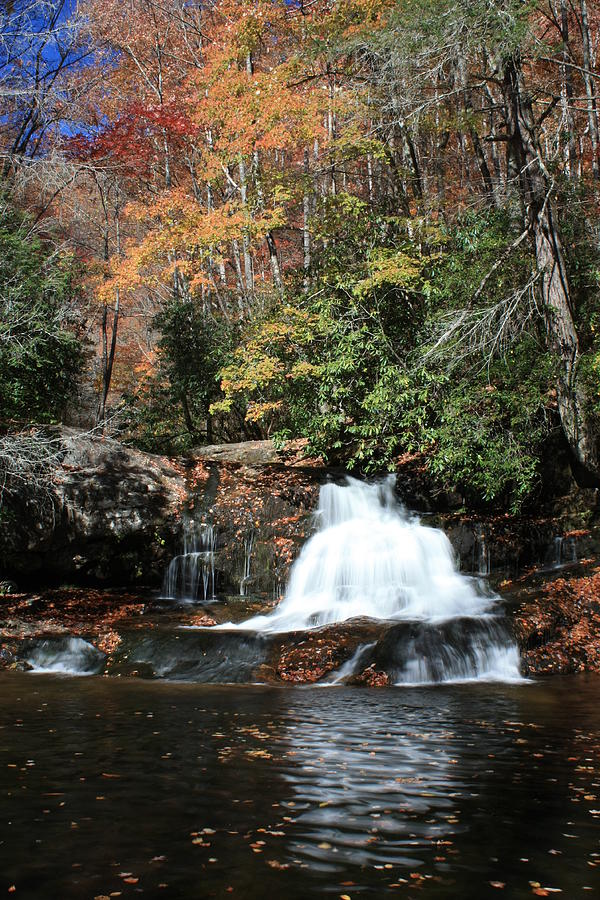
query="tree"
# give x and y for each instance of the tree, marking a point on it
(41, 352)
(44, 48)
(491, 51)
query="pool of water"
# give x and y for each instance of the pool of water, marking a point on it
(121, 787)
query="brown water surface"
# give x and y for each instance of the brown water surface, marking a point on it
(121, 787)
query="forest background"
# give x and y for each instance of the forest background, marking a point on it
(372, 224)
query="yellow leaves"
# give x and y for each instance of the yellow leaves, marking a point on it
(304, 369)
(257, 412)
(393, 268)
(271, 356)
(250, 372)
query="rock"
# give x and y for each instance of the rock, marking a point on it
(20, 665)
(557, 624)
(202, 621)
(307, 657)
(247, 453)
(9, 659)
(259, 508)
(372, 677)
(7, 656)
(109, 514)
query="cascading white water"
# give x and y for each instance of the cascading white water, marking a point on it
(191, 575)
(561, 552)
(65, 655)
(248, 546)
(370, 558)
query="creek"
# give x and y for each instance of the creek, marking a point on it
(205, 777)
(187, 791)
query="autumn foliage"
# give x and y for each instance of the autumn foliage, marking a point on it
(340, 221)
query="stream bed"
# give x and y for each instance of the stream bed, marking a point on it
(121, 787)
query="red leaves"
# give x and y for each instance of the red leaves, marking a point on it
(560, 630)
(373, 678)
(78, 610)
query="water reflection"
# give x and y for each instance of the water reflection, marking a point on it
(122, 787)
(372, 792)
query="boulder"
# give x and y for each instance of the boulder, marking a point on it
(115, 516)
(107, 514)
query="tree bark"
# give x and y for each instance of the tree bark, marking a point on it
(536, 188)
(108, 356)
(590, 90)
(567, 92)
(306, 249)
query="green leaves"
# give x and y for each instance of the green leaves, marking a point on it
(41, 353)
(170, 409)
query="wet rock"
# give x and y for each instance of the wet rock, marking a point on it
(20, 665)
(258, 507)
(308, 657)
(372, 677)
(7, 656)
(10, 659)
(202, 621)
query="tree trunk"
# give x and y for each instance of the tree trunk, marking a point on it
(248, 268)
(590, 90)
(306, 249)
(187, 416)
(536, 188)
(567, 92)
(108, 356)
(274, 261)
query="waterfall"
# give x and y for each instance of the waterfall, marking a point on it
(191, 575)
(371, 559)
(481, 552)
(248, 547)
(562, 552)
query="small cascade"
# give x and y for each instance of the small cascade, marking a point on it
(371, 559)
(469, 649)
(481, 552)
(191, 575)
(190, 654)
(357, 662)
(65, 655)
(561, 552)
(248, 547)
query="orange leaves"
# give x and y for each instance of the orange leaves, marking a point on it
(248, 112)
(181, 235)
(560, 631)
(209, 138)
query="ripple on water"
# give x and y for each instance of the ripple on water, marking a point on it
(296, 792)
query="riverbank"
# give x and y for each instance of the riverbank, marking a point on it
(555, 618)
(116, 517)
